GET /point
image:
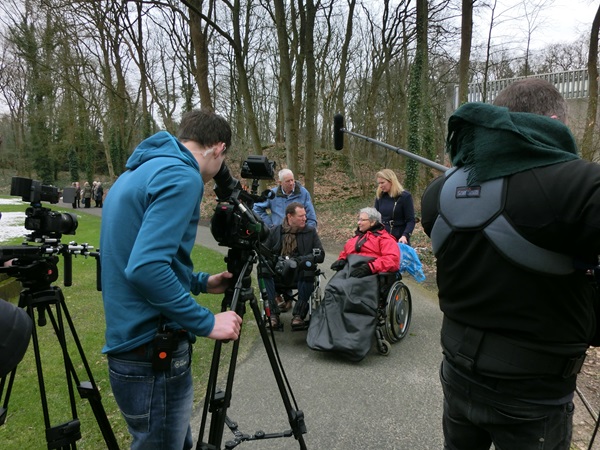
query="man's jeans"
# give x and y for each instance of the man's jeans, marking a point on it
(475, 417)
(157, 406)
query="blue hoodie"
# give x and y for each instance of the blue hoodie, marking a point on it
(149, 225)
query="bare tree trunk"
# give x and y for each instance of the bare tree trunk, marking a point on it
(488, 50)
(466, 36)
(199, 40)
(238, 49)
(417, 92)
(244, 85)
(285, 75)
(344, 63)
(311, 98)
(587, 146)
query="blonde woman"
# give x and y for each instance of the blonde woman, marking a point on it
(395, 205)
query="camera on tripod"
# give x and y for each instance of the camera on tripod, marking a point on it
(37, 264)
(43, 221)
(36, 267)
(234, 223)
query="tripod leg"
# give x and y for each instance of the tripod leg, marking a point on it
(66, 434)
(295, 416)
(4, 408)
(88, 389)
(217, 401)
(213, 403)
(40, 374)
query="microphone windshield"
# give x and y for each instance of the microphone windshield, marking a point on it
(338, 133)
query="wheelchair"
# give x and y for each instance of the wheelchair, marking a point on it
(394, 311)
(356, 313)
(284, 276)
(289, 292)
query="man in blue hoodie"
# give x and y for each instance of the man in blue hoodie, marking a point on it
(149, 226)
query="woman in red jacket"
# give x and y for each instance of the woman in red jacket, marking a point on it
(371, 239)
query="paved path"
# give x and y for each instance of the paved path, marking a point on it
(382, 402)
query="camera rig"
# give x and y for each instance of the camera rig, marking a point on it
(235, 225)
(35, 265)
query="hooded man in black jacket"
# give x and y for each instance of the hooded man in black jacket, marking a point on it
(515, 227)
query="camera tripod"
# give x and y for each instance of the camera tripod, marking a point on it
(65, 435)
(240, 263)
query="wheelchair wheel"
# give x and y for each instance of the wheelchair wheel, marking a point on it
(398, 312)
(384, 347)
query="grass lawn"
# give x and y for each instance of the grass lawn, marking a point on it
(24, 427)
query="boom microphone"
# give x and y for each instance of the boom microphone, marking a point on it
(338, 131)
(338, 142)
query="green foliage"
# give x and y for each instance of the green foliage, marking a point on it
(73, 165)
(24, 428)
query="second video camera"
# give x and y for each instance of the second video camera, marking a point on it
(43, 221)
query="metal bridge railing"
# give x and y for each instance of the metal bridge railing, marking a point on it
(571, 84)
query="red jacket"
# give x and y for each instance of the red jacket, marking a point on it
(377, 243)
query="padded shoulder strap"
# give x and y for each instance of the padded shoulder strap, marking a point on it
(466, 208)
(481, 208)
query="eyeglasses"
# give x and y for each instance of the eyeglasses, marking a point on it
(363, 220)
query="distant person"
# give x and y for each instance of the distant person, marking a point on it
(87, 195)
(515, 229)
(395, 205)
(272, 211)
(98, 194)
(76, 195)
(149, 225)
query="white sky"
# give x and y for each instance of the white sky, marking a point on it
(559, 21)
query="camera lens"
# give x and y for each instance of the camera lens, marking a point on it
(67, 223)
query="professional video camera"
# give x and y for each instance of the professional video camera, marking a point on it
(35, 265)
(234, 223)
(43, 221)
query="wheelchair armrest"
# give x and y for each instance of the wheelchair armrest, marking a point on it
(386, 279)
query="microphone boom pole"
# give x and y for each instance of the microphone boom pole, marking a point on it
(338, 129)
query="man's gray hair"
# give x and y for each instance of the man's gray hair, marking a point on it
(371, 213)
(284, 172)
